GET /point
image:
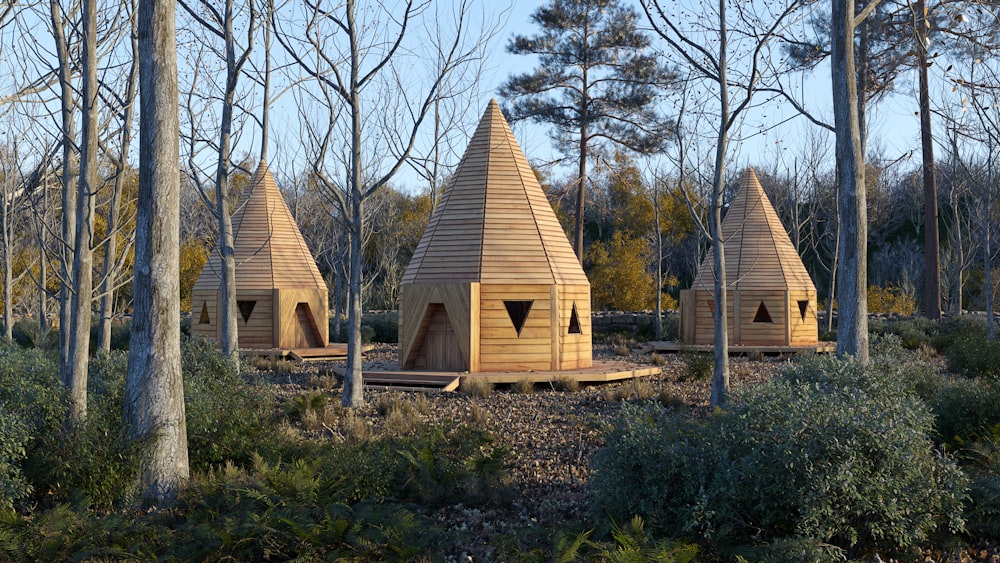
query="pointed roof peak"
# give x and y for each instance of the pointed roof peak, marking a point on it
(269, 248)
(758, 252)
(494, 223)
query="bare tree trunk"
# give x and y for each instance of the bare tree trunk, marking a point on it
(956, 306)
(658, 327)
(720, 372)
(852, 267)
(67, 244)
(353, 395)
(932, 247)
(988, 252)
(154, 388)
(8, 270)
(83, 266)
(114, 209)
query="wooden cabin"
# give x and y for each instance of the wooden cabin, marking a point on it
(771, 300)
(281, 297)
(494, 284)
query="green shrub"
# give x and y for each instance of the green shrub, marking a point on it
(853, 451)
(13, 436)
(698, 365)
(913, 332)
(892, 370)
(384, 326)
(25, 335)
(670, 330)
(228, 419)
(965, 410)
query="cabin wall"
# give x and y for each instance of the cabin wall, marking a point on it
(804, 330)
(257, 330)
(785, 328)
(287, 327)
(417, 309)
(575, 349)
(204, 302)
(501, 348)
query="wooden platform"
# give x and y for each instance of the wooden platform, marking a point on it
(600, 372)
(822, 347)
(334, 351)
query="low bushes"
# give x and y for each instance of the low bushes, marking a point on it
(852, 446)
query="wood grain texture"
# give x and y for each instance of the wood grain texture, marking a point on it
(271, 257)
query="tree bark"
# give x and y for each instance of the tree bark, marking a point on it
(852, 267)
(154, 389)
(720, 371)
(67, 105)
(353, 395)
(83, 263)
(114, 209)
(932, 250)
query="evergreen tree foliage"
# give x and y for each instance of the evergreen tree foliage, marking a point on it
(596, 82)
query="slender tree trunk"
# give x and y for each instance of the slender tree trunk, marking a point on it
(227, 320)
(932, 247)
(852, 270)
(581, 196)
(67, 245)
(720, 371)
(83, 266)
(8, 274)
(353, 395)
(154, 388)
(114, 210)
(659, 262)
(43, 294)
(834, 267)
(956, 307)
(988, 252)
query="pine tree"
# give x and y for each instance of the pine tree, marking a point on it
(596, 82)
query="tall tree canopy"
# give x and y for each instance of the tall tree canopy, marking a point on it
(596, 82)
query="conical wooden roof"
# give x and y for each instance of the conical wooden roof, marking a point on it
(758, 252)
(493, 223)
(269, 248)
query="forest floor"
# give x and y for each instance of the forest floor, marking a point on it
(551, 435)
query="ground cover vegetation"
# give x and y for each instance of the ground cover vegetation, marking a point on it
(824, 460)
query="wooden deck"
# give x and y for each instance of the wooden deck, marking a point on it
(334, 351)
(408, 380)
(822, 347)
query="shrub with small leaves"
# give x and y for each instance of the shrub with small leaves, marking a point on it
(858, 469)
(13, 436)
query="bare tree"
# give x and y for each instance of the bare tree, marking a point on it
(154, 388)
(686, 41)
(111, 266)
(83, 253)
(220, 25)
(355, 64)
(852, 266)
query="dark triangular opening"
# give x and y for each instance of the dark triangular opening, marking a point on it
(803, 308)
(518, 311)
(762, 315)
(203, 319)
(574, 322)
(246, 309)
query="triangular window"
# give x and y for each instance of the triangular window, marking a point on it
(203, 320)
(574, 322)
(762, 315)
(246, 309)
(803, 308)
(518, 311)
